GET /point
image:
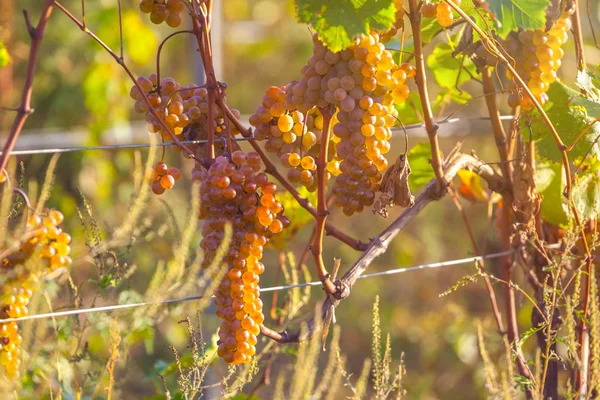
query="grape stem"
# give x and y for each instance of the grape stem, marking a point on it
(494, 51)
(506, 261)
(24, 109)
(489, 92)
(578, 37)
(202, 33)
(583, 331)
(159, 51)
(322, 211)
(421, 81)
(123, 65)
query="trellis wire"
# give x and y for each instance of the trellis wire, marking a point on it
(146, 145)
(262, 290)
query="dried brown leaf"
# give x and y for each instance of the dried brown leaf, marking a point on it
(394, 188)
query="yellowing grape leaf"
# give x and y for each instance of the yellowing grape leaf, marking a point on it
(514, 14)
(338, 21)
(471, 187)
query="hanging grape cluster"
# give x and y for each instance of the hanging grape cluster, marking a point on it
(162, 178)
(45, 239)
(168, 11)
(537, 57)
(184, 109)
(234, 191)
(363, 82)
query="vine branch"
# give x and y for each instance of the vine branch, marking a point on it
(380, 243)
(421, 81)
(24, 109)
(322, 211)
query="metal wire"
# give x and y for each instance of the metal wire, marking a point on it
(263, 290)
(395, 130)
(107, 147)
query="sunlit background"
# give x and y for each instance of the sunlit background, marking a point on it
(81, 98)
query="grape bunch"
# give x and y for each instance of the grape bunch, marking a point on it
(195, 106)
(294, 136)
(538, 55)
(181, 107)
(234, 191)
(162, 178)
(363, 82)
(160, 11)
(440, 11)
(43, 238)
(166, 101)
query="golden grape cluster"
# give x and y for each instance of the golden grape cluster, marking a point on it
(363, 82)
(537, 57)
(45, 239)
(234, 191)
(160, 11)
(162, 178)
(440, 11)
(293, 135)
(181, 107)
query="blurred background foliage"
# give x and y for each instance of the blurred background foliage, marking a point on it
(81, 96)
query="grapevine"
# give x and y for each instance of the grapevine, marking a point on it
(331, 129)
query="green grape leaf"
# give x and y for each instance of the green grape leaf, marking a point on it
(448, 95)
(481, 18)
(550, 182)
(571, 115)
(338, 21)
(586, 192)
(450, 72)
(296, 214)
(514, 14)
(4, 56)
(420, 166)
